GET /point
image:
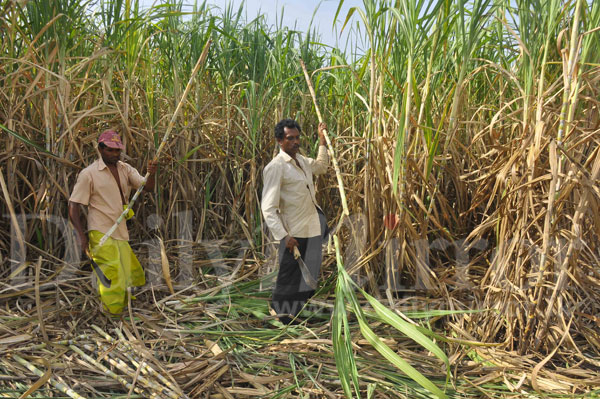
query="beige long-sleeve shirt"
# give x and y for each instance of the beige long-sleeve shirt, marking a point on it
(97, 188)
(288, 198)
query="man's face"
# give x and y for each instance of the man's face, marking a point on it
(290, 143)
(109, 155)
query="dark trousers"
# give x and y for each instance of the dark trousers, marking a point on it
(291, 291)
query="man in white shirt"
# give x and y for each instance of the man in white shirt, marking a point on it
(293, 216)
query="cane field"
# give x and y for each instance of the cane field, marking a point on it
(463, 197)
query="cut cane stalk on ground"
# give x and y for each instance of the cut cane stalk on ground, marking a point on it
(60, 386)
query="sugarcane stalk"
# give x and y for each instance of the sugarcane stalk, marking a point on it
(45, 344)
(58, 385)
(539, 124)
(336, 167)
(555, 183)
(146, 369)
(124, 367)
(199, 63)
(123, 345)
(106, 370)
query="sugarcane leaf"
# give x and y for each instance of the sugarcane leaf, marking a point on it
(397, 361)
(341, 338)
(411, 331)
(25, 140)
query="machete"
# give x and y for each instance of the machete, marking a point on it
(308, 278)
(103, 279)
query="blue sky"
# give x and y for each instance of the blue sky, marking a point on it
(300, 11)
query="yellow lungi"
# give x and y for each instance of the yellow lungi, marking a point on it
(119, 264)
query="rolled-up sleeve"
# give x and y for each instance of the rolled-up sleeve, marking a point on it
(270, 200)
(83, 188)
(321, 163)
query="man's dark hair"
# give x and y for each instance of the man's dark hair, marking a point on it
(289, 123)
(102, 145)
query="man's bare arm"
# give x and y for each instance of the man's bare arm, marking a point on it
(149, 187)
(75, 217)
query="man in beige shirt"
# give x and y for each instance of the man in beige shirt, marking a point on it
(293, 216)
(104, 187)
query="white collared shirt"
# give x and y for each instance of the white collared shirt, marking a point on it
(288, 197)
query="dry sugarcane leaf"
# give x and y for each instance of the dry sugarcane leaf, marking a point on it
(15, 339)
(246, 391)
(213, 346)
(38, 302)
(13, 216)
(19, 269)
(534, 374)
(317, 341)
(251, 378)
(165, 266)
(223, 391)
(212, 379)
